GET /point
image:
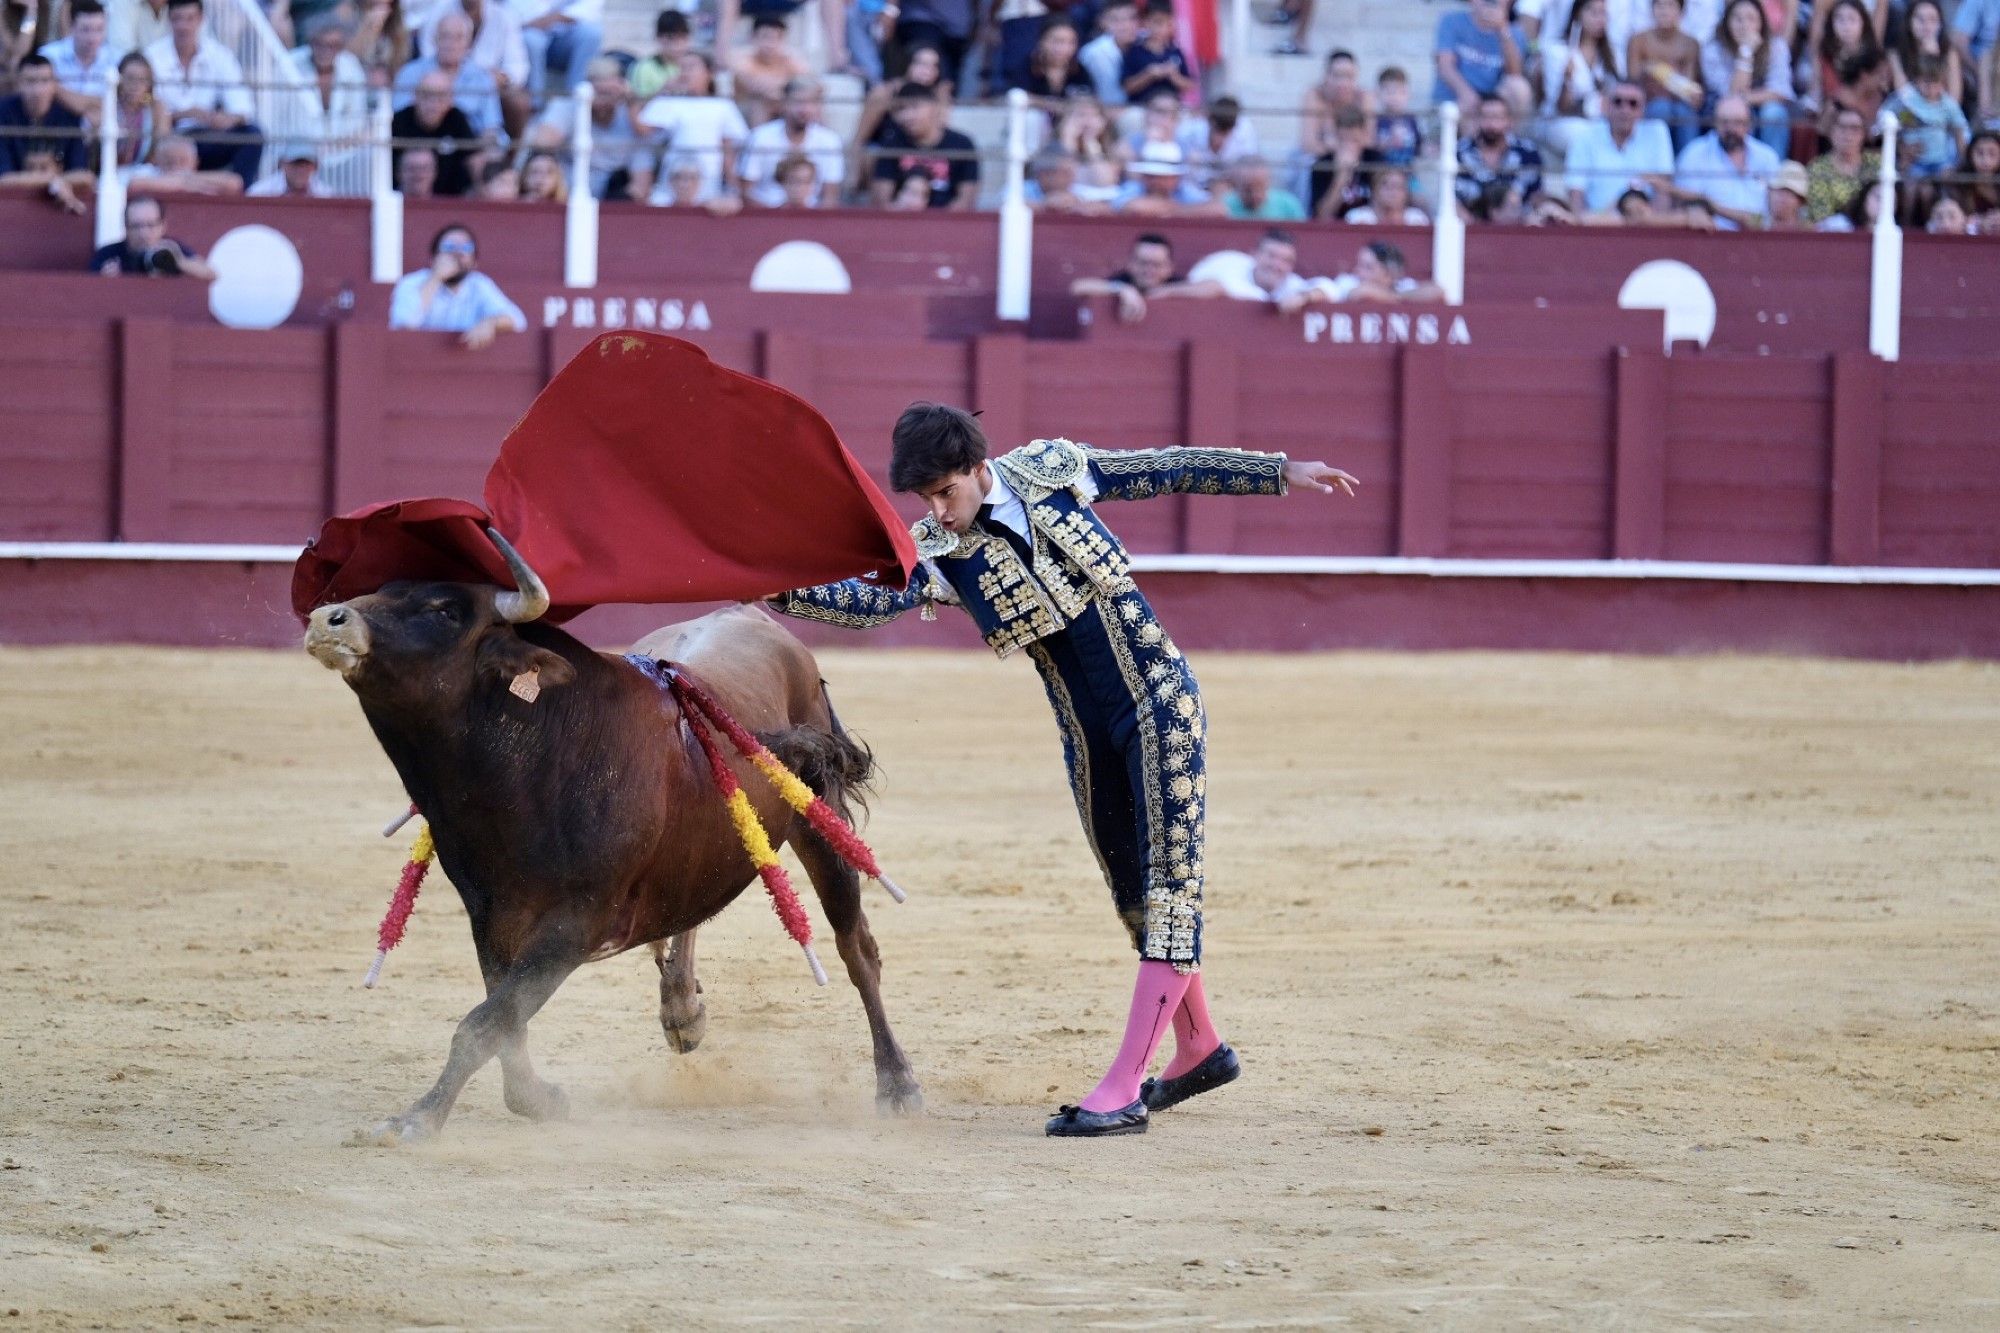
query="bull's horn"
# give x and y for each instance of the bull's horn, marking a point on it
(533, 598)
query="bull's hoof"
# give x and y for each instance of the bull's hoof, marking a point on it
(684, 1029)
(541, 1101)
(394, 1132)
(904, 1100)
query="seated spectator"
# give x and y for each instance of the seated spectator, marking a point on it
(1860, 213)
(1253, 196)
(297, 176)
(199, 81)
(560, 35)
(948, 26)
(41, 170)
(1339, 181)
(470, 88)
(147, 250)
(877, 127)
(1786, 210)
(176, 169)
(1104, 55)
(382, 41)
(1159, 187)
(684, 182)
(622, 154)
(1379, 275)
(1088, 135)
(1479, 55)
(1578, 71)
(1934, 126)
(700, 129)
(1052, 186)
(1398, 135)
(453, 296)
(798, 130)
(1728, 170)
(499, 181)
(1053, 71)
(1159, 122)
(912, 194)
(946, 159)
(1836, 176)
(1667, 64)
(869, 23)
(1978, 188)
(1949, 219)
(417, 173)
(1746, 61)
(1339, 89)
(1503, 201)
(1214, 144)
(542, 179)
(1493, 152)
(1154, 64)
(84, 66)
(1148, 275)
(766, 69)
(136, 25)
(338, 80)
(1851, 67)
(496, 48)
(1269, 274)
(1617, 153)
(1389, 202)
(450, 138)
(1924, 35)
(33, 122)
(663, 71)
(799, 179)
(142, 117)
(1636, 208)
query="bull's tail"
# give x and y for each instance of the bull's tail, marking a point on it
(829, 760)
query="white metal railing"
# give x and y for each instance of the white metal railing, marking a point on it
(1885, 279)
(110, 185)
(287, 107)
(1017, 220)
(1448, 228)
(580, 218)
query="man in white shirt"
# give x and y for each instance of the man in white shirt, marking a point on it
(135, 25)
(498, 49)
(1103, 56)
(565, 35)
(701, 129)
(84, 65)
(1621, 152)
(198, 80)
(297, 176)
(797, 130)
(1270, 275)
(1729, 170)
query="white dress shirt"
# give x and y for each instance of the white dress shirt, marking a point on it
(497, 47)
(212, 81)
(77, 77)
(1009, 509)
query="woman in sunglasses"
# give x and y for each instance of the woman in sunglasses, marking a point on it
(452, 296)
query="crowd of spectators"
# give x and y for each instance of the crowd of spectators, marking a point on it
(1698, 113)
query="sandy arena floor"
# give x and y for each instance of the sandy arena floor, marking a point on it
(1574, 991)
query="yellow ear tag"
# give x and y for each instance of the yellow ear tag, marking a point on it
(527, 687)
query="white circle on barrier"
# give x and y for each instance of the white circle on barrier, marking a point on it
(800, 266)
(258, 278)
(1680, 291)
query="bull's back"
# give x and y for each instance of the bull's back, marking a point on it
(754, 664)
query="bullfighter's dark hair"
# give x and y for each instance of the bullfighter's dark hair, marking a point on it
(447, 229)
(931, 442)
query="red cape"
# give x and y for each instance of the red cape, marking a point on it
(643, 473)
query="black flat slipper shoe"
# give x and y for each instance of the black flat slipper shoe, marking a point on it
(1073, 1122)
(1221, 1067)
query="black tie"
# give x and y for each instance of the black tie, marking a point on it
(1006, 534)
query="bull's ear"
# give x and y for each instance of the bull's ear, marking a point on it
(509, 657)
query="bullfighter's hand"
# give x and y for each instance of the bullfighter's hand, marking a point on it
(1319, 477)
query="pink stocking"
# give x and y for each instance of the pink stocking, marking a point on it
(1154, 1001)
(1195, 1037)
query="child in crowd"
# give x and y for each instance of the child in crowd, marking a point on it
(1934, 126)
(1154, 64)
(1398, 135)
(663, 71)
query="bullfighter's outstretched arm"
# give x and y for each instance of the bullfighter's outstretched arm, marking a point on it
(855, 603)
(1138, 474)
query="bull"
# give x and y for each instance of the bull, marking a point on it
(574, 811)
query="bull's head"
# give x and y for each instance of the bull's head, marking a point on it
(400, 637)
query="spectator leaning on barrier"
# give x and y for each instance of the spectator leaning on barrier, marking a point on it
(1934, 126)
(1379, 275)
(1667, 64)
(1104, 55)
(34, 124)
(448, 52)
(1480, 54)
(1836, 176)
(450, 138)
(452, 296)
(1154, 63)
(945, 158)
(1148, 275)
(147, 250)
(1727, 169)
(1620, 152)
(84, 65)
(700, 129)
(198, 79)
(797, 130)
(1270, 273)
(1253, 195)
(1493, 152)
(1389, 202)
(176, 169)
(297, 176)
(560, 35)
(1787, 208)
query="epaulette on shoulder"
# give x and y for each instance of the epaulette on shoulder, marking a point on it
(931, 539)
(1047, 465)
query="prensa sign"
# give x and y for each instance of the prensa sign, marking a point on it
(1376, 327)
(622, 312)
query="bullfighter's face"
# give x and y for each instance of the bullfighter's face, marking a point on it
(955, 499)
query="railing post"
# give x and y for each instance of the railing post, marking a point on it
(1885, 279)
(1239, 39)
(580, 223)
(385, 202)
(1017, 220)
(1448, 232)
(110, 185)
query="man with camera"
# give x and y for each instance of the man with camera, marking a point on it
(147, 250)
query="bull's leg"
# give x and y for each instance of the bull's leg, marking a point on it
(839, 889)
(526, 1092)
(489, 1030)
(683, 1016)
